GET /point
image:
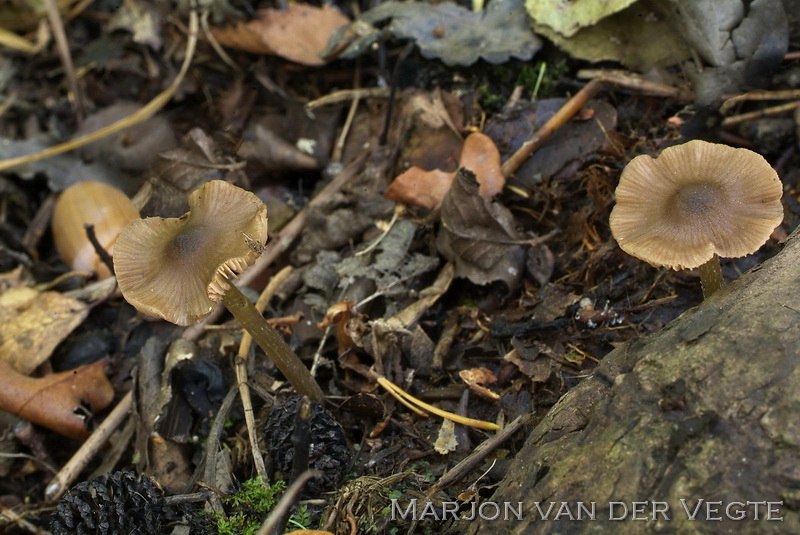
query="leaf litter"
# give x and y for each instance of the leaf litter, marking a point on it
(488, 294)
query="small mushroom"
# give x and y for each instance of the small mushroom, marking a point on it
(179, 268)
(694, 203)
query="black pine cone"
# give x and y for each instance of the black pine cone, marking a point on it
(328, 449)
(110, 505)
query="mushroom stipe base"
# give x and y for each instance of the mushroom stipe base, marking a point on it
(273, 345)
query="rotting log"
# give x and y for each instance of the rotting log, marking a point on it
(708, 408)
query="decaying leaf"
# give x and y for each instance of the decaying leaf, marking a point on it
(390, 267)
(626, 37)
(61, 170)
(446, 441)
(55, 400)
(141, 19)
(299, 33)
(427, 189)
(290, 139)
(476, 378)
(133, 149)
(417, 187)
(568, 17)
(34, 324)
(533, 360)
(449, 32)
(479, 235)
(574, 143)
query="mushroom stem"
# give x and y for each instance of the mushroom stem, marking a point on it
(273, 345)
(711, 277)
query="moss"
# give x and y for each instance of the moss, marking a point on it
(247, 509)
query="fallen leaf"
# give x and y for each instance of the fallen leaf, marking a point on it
(34, 324)
(446, 441)
(476, 378)
(61, 170)
(568, 17)
(449, 32)
(479, 235)
(480, 155)
(427, 189)
(299, 33)
(574, 143)
(417, 187)
(627, 37)
(141, 19)
(53, 401)
(532, 360)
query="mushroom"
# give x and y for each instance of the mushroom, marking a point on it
(179, 268)
(694, 203)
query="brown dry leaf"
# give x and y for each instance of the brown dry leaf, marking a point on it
(570, 146)
(52, 400)
(480, 155)
(418, 187)
(432, 110)
(34, 324)
(479, 235)
(476, 378)
(299, 33)
(536, 360)
(169, 463)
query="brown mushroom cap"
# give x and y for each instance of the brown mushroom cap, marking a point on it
(177, 268)
(693, 201)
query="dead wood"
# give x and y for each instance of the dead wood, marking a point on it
(708, 408)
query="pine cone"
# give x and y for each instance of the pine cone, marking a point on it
(109, 505)
(328, 449)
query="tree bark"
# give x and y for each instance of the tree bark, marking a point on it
(708, 408)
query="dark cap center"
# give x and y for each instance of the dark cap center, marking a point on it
(695, 200)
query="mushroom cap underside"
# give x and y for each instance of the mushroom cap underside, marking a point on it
(177, 268)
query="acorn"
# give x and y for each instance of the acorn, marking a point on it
(93, 203)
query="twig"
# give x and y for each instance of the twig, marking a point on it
(573, 105)
(632, 82)
(766, 112)
(12, 516)
(67, 475)
(209, 476)
(215, 44)
(57, 25)
(405, 398)
(276, 521)
(399, 210)
(99, 249)
(346, 95)
(483, 449)
(338, 149)
(241, 370)
(758, 94)
(563, 115)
